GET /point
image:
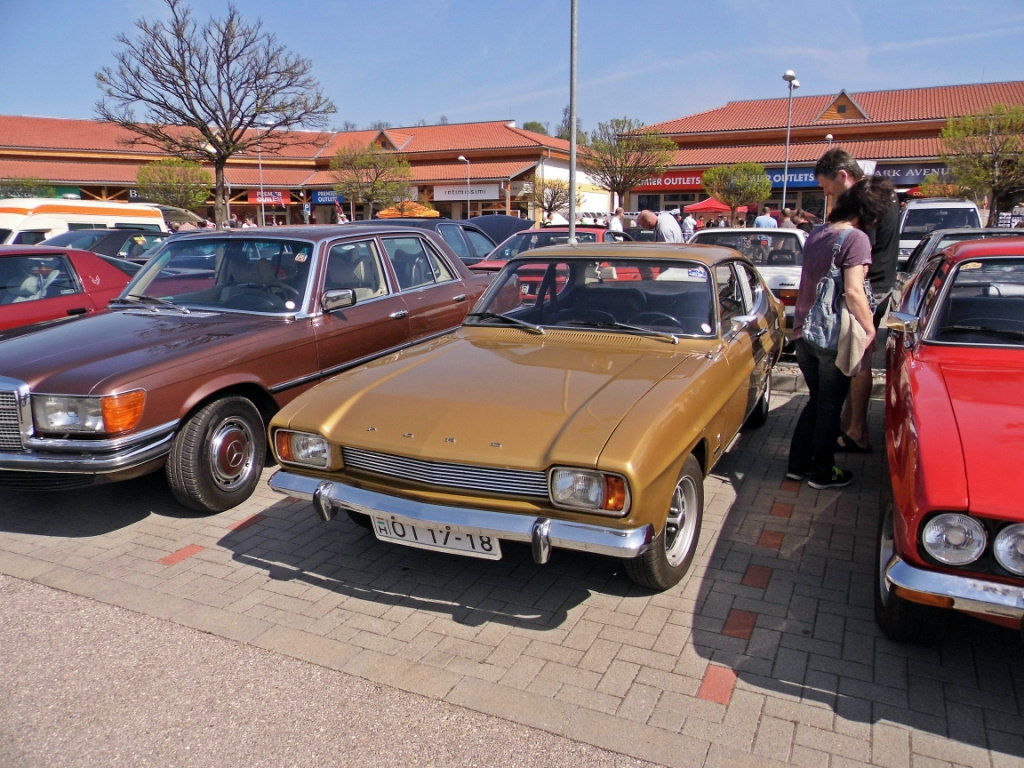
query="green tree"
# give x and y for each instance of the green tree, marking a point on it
(210, 92)
(622, 154)
(173, 181)
(26, 186)
(535, 126)
(985, 153)
(370, 176)
(737, 185)
(552, 196)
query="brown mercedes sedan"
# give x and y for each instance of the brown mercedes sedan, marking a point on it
(218, 331)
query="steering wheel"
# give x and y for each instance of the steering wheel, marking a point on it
(284, 290)
(652, 318)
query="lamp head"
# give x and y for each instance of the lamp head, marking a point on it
(789, 76)
(463, 159)
(828, 137)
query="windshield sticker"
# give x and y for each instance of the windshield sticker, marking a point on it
(301, 257)
(697, 272)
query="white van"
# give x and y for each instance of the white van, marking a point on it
(30, 220)
(921, 216)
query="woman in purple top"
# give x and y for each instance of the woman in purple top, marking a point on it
(812, 449)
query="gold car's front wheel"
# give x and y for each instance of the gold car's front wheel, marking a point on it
(669, 557)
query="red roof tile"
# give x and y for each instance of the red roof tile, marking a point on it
(914, 104)
(775, 154)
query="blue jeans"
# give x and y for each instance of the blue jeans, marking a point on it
(813, 447)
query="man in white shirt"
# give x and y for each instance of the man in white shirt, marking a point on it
(689, 224)
(765, 220)
(615, 222)
(666, 228)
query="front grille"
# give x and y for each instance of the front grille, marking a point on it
(10, 426)
(446, 475)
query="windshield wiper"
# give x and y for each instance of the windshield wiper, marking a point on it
(495, 316)
(1007, 332)
(156, 301)
(662, 335)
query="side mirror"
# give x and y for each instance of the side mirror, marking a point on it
(337, 299)
(905, 323)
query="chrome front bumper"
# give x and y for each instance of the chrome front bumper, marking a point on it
(542, 533)
(89, 457)
(967, 593)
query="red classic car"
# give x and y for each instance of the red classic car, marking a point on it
(216, 332)
(951, 532)
(38, 283)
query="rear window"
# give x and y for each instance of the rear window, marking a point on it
(920, 221)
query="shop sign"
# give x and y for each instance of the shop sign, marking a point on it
(269, 197)
(797, 177)
(911, 174)
(671, 181)
(458, 192)
(326, 197)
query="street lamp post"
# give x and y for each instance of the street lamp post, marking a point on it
(463, 159)
(790, 78)
(828, 138)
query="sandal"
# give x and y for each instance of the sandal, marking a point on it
(846, 444)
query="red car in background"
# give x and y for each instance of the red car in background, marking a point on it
(39, 283)
(951, 532)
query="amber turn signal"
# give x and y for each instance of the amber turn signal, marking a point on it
(123, 412)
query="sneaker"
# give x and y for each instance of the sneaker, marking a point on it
(798, 476)
(840, 478)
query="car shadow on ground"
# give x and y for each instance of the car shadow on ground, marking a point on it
(292, 544)
(786, 601)
(90, 511)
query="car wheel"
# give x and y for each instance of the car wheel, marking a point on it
(759, 415)
(217, 456)
(900, 619)
(669, 557)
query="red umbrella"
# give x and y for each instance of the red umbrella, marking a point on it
(711, 205)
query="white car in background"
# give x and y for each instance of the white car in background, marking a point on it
(777, 254)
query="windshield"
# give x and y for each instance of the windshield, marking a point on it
(782, 249)
(252, 275)
(77, 238)
(668, 296)
(982, 305)
(921, 221)
(521, 242)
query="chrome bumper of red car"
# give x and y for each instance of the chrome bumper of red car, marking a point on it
(542, 533)
(966, 593)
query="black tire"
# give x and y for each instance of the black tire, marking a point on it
(217, 456)
(664, 564)
(899, 619)
(759, 415)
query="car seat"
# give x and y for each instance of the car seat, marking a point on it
(411, 268)
(349, 268)
(781, 257)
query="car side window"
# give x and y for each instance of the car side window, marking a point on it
(730, 294)
(751, 288)
(136, 245)
(357, 267)
(30, 278)
(415, 265)
(453, 236)
(481, 245)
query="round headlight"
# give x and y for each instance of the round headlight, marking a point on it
(954, 539)
(1009, 548)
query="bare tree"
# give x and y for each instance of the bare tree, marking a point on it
(346, 127)
(210, 92)
(552, 196)
(370, 176)
(622, 154)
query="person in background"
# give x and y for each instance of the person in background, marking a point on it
(666, 228)
(837, 171)
(688, 225)
(813, 446)
(802, 222)
(766, 220)
(787, 219)
(615, 222)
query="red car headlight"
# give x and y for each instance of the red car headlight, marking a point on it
(1008, 548)
(954, 539)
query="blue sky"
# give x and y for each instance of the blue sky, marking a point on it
(469, 60)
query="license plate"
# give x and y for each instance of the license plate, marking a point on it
(413, 533)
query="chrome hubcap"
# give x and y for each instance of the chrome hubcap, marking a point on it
(232, 454)
(886, 550)
(681, 525)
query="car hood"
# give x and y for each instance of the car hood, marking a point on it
(476, 400)
(989, 410)
(93, 354)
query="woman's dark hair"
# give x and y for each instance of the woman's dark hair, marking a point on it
(867, 201)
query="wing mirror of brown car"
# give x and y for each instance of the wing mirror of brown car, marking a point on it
(337, 299)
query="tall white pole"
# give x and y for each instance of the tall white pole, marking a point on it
(468, 166)
(572, 124)
(790, 78)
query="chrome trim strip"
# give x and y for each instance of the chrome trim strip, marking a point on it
(95, 464)
(988, 598)
(560, 534)
(77, 445)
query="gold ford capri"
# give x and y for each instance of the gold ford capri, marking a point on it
(579, 406)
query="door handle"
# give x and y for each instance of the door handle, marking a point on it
(77, 311)
(399, 314)
(761, 332)
(460, 297)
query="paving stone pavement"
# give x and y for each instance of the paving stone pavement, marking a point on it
(766, 654)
